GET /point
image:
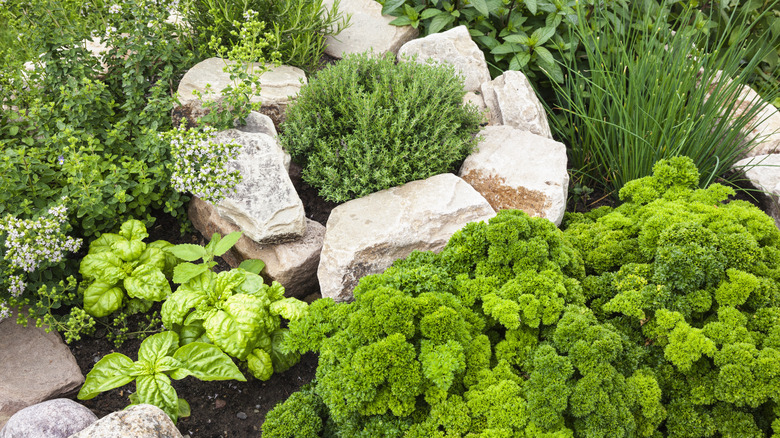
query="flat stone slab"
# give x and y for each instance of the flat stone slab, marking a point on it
(58, 418)
(454, 47)
(516, 169)
(35, 366)
(364, 236)
(278, 86)
(265, 204)
(368, 30)
(139, 421)
(763, 171)
(293, 264)
(511, 100)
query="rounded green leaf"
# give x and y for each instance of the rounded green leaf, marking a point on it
(291, 309)
(254, 266)
(260, 364)
(157, 346)
(128, 250)
(147, 282)
(101, 299)
(133, 230)
(104, 266)
(103, 243)
(236, 327)
(112, 371)
(205, 362)
(178, 305)
(157, 390)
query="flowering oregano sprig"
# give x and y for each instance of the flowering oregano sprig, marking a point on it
(201, 166)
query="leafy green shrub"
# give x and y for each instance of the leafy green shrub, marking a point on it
(297, 28)
(367, 124)
(645, 96)
(71, 129)
(657, 318)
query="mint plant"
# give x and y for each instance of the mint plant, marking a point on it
(160, 359)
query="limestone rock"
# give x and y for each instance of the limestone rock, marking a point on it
(139, 421)
(262, 124)
(364, 236)
(279, 86)
(764, 127)
(512, 101)
(763, 171)
(516, 169)
(35, 366)
(293, 264)
(265, 205)
(58, 418)
(368, 30)
(454, 47)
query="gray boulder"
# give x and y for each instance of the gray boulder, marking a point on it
(454, 47)
(139, 421)
(364, 236)
(58, 418)
(516, 169)
(35, 366)
(511, 101)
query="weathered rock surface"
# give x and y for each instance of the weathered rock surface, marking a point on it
(262, 124)
(265, 205)
(293, 264)
(454, 47)
(764, 126)
(58, 418)
(364, 236)
(139, 421)
(511, 100)
(368, 30)
(763, 171)
(34, 366)
(279, 86)
(516, 169)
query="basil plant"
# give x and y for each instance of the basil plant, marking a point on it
(121, 269)
(160, 359)
(235, 310)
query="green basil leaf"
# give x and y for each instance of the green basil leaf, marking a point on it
(254, 266)
(157, 390)
(104, 266)
(281, 357)
(103, 243)
(153, 257)
(128, 250)
(166, 364)
(192, 330)
(101, 299)
(187, 271)
(253, 285)
(289, 308)
(147, 282)
(260, 364)
(184, 408)
(205, 362)
(157, 346)
(112, 371)
(187, 251)
(133, 230)
(138, 305)
(169, 259)
(236, 326)
(181, 302)
(227, 242)
(228, 281)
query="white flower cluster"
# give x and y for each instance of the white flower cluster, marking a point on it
(201, 166)
(16, 285)
(5, 311)
(29, 243)
(115, 9)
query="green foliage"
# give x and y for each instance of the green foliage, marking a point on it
(517, 329)
(121, 269)
(234, 309)
(300, 416)
(298, 27)
(76, 128)
(367, 124)
(160, 359)
(641, 98)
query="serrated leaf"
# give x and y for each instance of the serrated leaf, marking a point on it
(531, 5)
(401, 21)
(187, 251)
(428, 13)
(254, 266)
(540, 36)
(281, 357)
(519, 61)
(544, 56)
(391, 6)
(506, 48)
(439, 22)
(227, 242)
(411, 12)
(518, 39)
